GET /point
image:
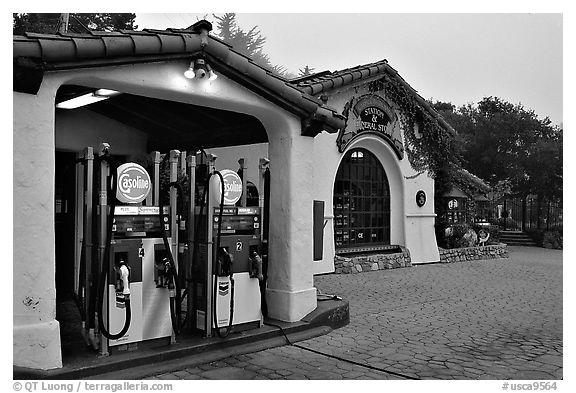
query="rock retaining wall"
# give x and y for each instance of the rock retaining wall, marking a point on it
(367, 263)
(473, 253)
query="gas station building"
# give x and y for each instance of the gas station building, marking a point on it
(340, 178)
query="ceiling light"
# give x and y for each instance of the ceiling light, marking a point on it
(87, 99)
(189, 73)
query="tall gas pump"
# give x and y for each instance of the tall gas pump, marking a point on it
(134, 250)
(155, 246)
(227, 267)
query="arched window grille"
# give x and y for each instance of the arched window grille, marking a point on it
(361, 203)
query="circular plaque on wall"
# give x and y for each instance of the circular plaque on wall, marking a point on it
(420, 198)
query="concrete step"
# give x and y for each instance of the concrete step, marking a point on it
(516, 238)
(517, 242)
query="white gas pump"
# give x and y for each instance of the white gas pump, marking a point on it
(229, 296)
(141, 258)
(133, 298)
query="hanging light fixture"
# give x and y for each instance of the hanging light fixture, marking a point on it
(189, 73)
(200, 69)
(211, 74)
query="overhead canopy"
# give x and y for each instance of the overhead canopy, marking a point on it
(34, 54)
(170, 123)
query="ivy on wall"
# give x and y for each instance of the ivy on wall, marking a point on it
(433, 149)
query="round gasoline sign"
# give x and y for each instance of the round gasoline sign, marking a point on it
(133, 183)
(232, 187)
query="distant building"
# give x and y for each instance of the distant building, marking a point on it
(467, 201)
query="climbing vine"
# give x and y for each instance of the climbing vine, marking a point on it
(434, 150)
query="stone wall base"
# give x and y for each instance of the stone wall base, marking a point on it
(371, 262)
(494, 251)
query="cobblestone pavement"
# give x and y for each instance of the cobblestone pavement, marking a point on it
(491, 319)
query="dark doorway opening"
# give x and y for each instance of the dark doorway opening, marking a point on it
(64, 212)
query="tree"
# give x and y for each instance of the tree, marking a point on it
(78, 23)
(249, 43)
(306, 71)
(505, 142)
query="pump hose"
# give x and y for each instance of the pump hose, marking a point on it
(218, 236)
(175, 290)
(106, 260)
(181, 293)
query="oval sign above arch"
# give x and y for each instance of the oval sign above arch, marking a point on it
(371, 114)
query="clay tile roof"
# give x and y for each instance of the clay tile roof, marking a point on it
(35, 53)
(473, 181)
(325, 81)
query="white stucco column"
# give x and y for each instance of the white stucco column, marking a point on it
(36, 332)
(290, 288)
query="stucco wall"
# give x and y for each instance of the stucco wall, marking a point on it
(79, 128)
(411, 226)
(36, 332)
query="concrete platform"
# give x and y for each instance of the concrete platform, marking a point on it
(86, 364)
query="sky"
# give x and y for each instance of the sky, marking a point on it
(458, 58)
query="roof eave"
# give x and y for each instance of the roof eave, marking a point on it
(35, 54)
(358, 74)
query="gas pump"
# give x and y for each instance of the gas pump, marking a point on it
(228, 266)
(148, 244)
(134, 285)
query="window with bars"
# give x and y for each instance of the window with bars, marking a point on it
(361, 203)
(457, 208)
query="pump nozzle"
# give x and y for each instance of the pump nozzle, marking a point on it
(124, 274)
(256, 266)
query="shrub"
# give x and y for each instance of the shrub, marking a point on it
(548, 239)
(464, 235)
(455, 235)
(553, 239)
(537, 235)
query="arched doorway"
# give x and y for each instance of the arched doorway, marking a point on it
(361, 203)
